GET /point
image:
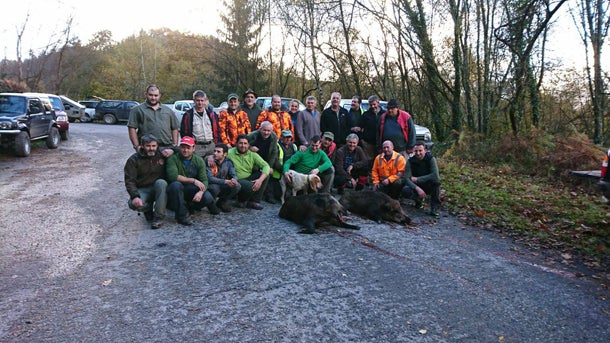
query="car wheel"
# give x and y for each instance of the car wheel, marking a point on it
(65, 135)
(22, 144)
(109, 118)
(71, 120)
(53, 139)
(85, 118)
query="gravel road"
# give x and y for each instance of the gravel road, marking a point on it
(78, 266)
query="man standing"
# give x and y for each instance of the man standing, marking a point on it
(308, 123)
(293, 111)
(351, 165)
(145, 181)
(233, 122)
(153, 118)
(279, 119)
(202, 124)
(264, 142)
(312, 161)
(336, 119)
(388, 171)
(250, 107)
(422, 178)
(367, 127)
(222, 179)
(188, 179)
(397, 126)
(355, 111)
(252, 172)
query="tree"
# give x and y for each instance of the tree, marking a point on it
(594, 20)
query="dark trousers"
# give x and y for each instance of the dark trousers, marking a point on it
(180, 198)
(246, 193)
(432, 188)
(360, 174)
(393, 189)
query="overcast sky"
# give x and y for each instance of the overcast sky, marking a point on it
(127, 17)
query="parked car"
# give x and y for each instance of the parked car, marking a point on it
(421, 133)
(89, 110)
(223, 106)
(24, 118)
(264, 102)
(181, 106)
(73, 109)
(113, 111)
(59, 112)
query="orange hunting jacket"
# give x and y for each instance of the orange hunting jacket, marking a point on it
(280, 120)
(232, 125)
(393, 169)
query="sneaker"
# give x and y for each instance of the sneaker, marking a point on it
(213, 209)
(254, 205)
(149, 215)
(224, 206)
(157, 222)
(186, 221)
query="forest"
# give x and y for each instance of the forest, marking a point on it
(458, 66)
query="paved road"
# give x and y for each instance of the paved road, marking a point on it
(78, 266)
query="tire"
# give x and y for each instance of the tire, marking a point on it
(22, 144)
(109, 118)
(65, 135)
(85, 118)
(53, 139)
(71, 120)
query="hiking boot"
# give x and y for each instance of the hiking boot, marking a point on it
(186, 221)
(224, 206)
(149, 215)
(254, 205)
(157, 222)
(213, 209)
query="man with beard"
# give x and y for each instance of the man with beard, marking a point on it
(201, 123)
(233, 122)
(250, 107)
(279, 119)
(422, 178)
(397, 126)
(188, 179)
(265, 143)
(308, 123)
(151, 117)
(145, 181)
(252, 173)
(367, 127)
(336, 119)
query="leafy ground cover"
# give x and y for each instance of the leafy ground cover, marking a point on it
(532, 199)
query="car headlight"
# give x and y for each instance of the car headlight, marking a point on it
(428, 136)
(62, 119)
(6, 125)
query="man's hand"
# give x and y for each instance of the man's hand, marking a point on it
(287, 178)
(303, 148)
(314, 171)
(137, 202)
(198, 196)
(420, 192)
(254, 148)
(199, 185)
(257, 184)
(167, 152)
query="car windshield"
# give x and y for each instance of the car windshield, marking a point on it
(12, 105)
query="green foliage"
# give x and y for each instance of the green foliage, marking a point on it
(516, 185)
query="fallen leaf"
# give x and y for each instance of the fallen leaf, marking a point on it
(423, 331)
(107, 282)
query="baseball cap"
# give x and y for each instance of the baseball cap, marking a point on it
(232, 96)
(188, 140)
(250, 91)
(286, 133)
(329, 134)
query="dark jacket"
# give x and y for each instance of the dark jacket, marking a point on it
(142, 171)
(425, 170)
(272, 156)
(407, 127)
(359, 161)
(186, 125)
(218, 174)
(340, 128)
(368, 124)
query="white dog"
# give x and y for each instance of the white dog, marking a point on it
(304, 182)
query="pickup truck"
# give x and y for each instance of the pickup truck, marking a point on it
(181, 106)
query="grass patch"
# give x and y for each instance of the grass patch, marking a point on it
(541, 205)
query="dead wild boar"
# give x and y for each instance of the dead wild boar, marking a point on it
(377, 206)
(310, 210)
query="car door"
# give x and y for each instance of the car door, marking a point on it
(39, 119)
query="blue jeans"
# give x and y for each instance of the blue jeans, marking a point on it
(153, 198)
(180, 198)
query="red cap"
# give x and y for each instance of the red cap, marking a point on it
(187, 140)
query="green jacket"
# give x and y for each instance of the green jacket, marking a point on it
(304, 161)
(245, 164)
(196, 169)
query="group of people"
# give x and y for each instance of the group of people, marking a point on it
(238, 157)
